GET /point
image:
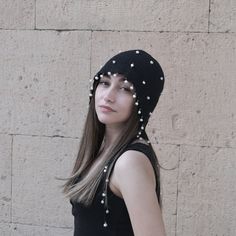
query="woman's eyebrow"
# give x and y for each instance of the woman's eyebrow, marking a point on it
(121, 79)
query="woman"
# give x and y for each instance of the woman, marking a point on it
(114, 187)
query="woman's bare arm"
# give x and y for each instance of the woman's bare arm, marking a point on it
(133, 178)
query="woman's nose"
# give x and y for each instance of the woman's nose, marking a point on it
(109, 95)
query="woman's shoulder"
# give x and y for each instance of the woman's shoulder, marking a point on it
(132, 162)
(133, 166)
(137, 153)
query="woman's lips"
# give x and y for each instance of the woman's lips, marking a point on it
(106, 109)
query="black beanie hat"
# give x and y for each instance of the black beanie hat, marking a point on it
(144, 72)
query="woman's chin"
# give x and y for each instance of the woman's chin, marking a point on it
(110, 122)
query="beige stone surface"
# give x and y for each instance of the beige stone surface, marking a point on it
(5, 177)
(139, 15)
(44, 82)
(5, 229)
(36, 194)
(18, 14)
(48, 52)
(198, 103)
(168, 157)
(206, 191)
(31, 230)
(223, 16)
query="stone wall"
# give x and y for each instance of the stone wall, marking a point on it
(49, 49)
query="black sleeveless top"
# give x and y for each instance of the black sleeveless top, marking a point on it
(107, 215)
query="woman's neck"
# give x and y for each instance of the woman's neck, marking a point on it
(112, 133)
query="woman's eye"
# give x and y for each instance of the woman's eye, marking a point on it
(104, 83)
(126, 89)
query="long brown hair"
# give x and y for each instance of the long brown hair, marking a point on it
(86, 169)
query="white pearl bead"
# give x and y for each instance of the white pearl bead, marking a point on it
(131, 87)
(113, 61)
(109, 73)
(134, 96)
(126, 81)
(102, 201)
(101, 76)
(161, 78)
(151, 62)
(148, 98)
(107, 211)
(90, 95)
(105, 224)
(96, 78)
(144, 82)
(137, 52)
(136, 103)
(132, 65)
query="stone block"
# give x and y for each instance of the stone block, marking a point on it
(37, 197)
(18, 14)
(223, 16)
(5, 229)
(31, 230)
(5, 177)
(168, 157)
(128, 15)
(44, 79)
(206, 191)
(198, 103)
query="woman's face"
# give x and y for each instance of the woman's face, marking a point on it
(114, 100)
